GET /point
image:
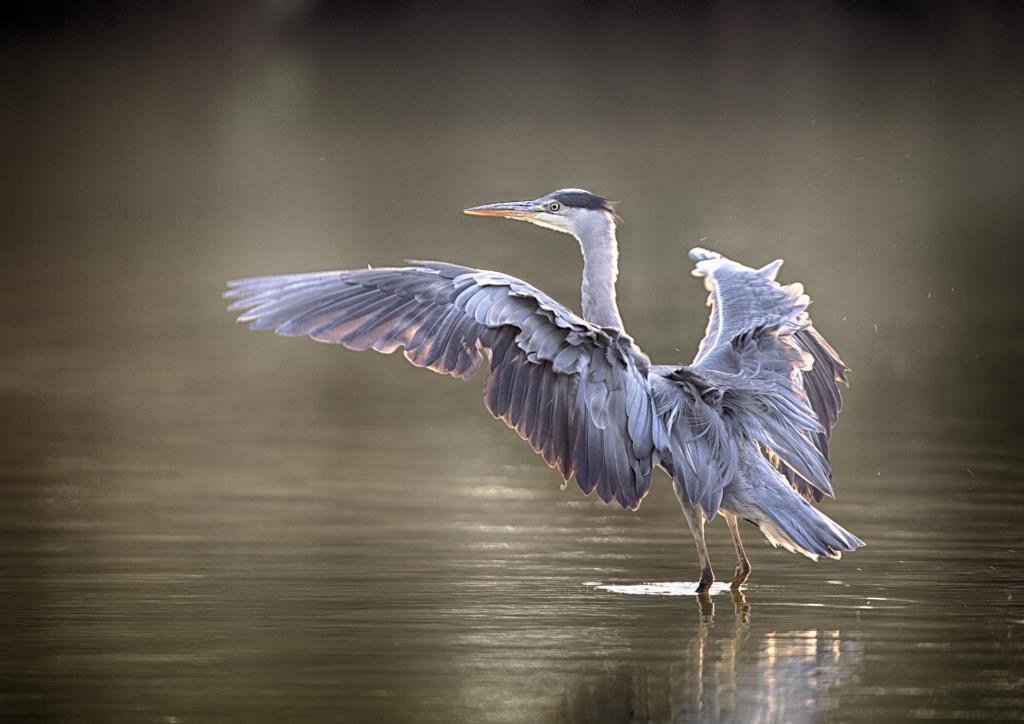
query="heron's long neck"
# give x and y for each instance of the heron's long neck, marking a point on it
(600, 270)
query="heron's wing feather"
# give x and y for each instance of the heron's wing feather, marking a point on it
(570, 389)
(760, 348)
(741, 300)
(822, 382)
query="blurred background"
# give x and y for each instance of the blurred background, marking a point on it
(203, 523)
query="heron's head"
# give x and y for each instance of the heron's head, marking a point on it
(570, 211)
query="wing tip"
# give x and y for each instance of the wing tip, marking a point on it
(699, 254)
(771, 270)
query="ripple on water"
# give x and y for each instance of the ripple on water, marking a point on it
(666, 588)
(689, 588)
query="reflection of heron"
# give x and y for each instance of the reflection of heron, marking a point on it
(736, 667)
(742, 430)
(739, 674)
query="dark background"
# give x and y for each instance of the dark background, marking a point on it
(832, 131)
(202, 522)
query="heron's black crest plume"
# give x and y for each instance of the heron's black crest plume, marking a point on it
(586, 200)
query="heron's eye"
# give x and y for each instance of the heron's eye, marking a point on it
(554, 207)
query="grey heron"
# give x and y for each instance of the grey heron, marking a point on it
(742, 430)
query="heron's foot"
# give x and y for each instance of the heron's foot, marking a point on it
(707, 577)
(741, 576)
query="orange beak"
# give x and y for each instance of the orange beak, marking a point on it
(506, 210)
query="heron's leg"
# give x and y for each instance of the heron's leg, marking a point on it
(742, 564)
(695, 518)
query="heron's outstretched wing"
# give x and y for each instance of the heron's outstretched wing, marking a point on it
(572, 390)
(760, 347)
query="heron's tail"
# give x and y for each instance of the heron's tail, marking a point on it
(803, 529)
(786, 519)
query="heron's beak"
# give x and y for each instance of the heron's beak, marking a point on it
(507, 210)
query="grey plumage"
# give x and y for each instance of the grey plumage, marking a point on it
(744, 428)
(594, 424)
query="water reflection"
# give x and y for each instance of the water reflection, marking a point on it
(772, 677)
(727, 668)
(795, 672)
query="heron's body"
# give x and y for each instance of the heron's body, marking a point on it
(742, 430)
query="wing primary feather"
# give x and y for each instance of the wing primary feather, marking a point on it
(530, 419)
(517, 392)
(363, 336)
(580, 450)
(401, 334)
(542, 424)
(338, 325)
(563, 426)
(455, 349)
(506, 376)
(441, 337)
(595, 462)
